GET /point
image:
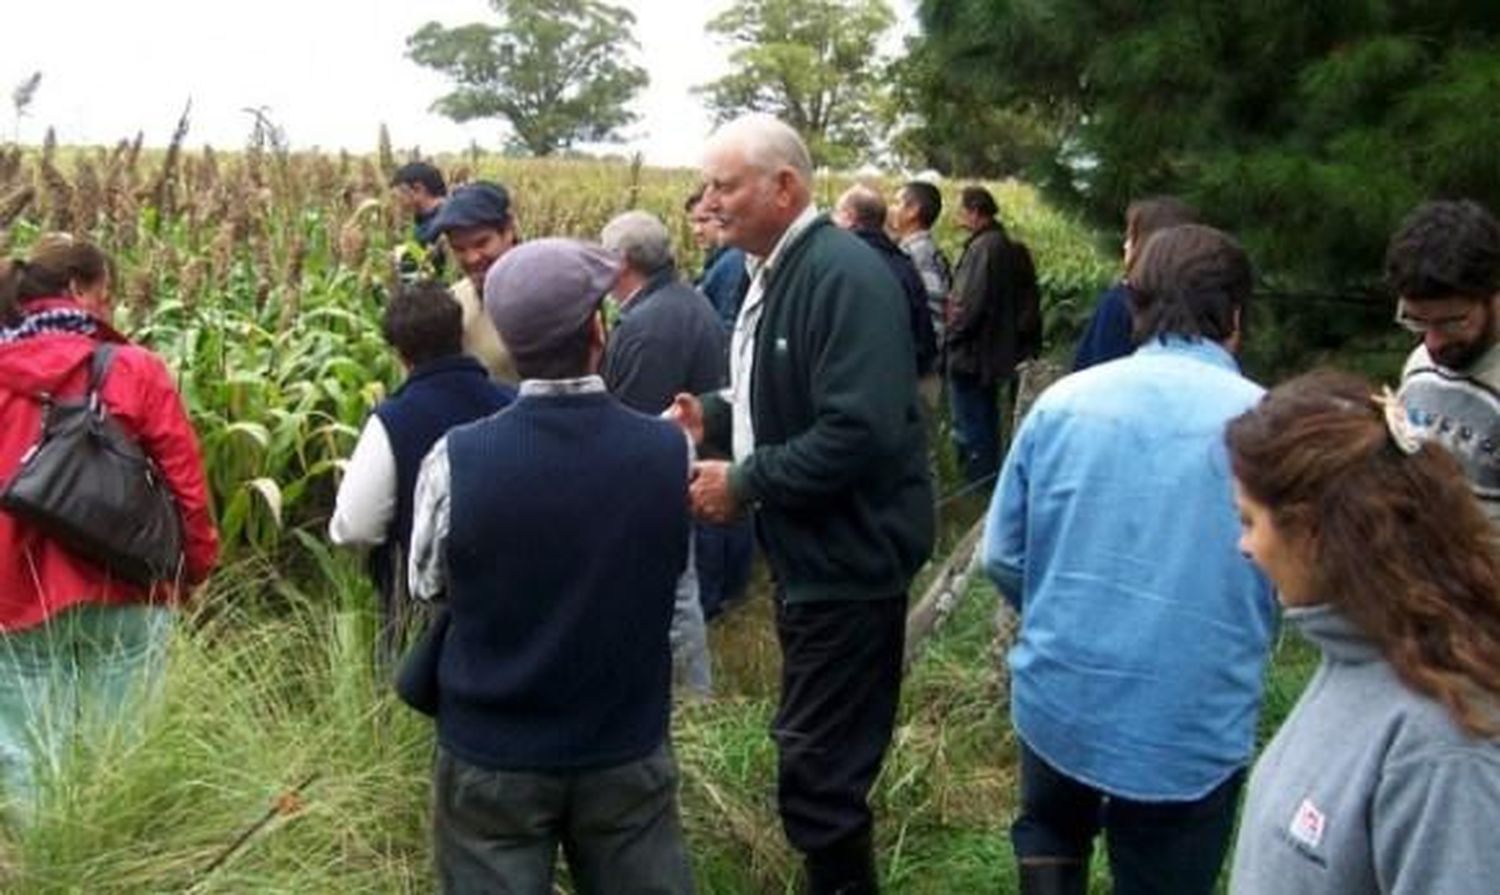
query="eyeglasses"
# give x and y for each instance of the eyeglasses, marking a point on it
(1448, 326)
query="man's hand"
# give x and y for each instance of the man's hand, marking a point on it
(687, 411)
(708, 490)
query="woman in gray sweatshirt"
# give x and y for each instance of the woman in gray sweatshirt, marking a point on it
(1386, 776)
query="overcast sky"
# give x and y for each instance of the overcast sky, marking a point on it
(329, 71)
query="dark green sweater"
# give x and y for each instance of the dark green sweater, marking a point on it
(839, 473)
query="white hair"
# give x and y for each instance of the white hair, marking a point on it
(767, 142)
(641, 239)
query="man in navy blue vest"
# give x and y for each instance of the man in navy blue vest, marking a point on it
(557, 532)
(443, 387)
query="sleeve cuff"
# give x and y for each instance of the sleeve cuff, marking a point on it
(740, 486)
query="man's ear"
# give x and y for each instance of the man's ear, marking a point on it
(786, 186)
(1236, 339)
(597, 335)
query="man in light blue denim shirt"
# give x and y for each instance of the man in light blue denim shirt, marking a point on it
(1136, 675)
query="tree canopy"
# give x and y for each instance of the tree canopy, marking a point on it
(815, 64)
(556, 70)
(1308, 129)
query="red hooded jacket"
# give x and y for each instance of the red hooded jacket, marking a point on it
(38, 578)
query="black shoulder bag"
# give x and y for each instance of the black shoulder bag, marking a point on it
(90, 486)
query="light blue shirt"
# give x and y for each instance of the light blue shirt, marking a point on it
(1113, 531)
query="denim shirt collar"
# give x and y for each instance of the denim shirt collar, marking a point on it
(1197, 348)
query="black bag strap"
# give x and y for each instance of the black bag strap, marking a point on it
(99, 362)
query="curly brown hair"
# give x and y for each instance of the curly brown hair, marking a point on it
(1444, 249)
(1397, 540)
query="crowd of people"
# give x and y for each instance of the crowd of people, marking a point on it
(564, 498)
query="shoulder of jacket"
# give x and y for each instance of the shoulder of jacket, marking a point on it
(140, 364)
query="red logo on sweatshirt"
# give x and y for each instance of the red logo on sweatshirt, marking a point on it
(1308, 825)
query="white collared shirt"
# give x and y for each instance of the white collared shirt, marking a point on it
(366, 501)
(742, 342)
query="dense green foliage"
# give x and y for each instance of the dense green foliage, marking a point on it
(812, 63)
(1308, 130)
(555, 69)
(944, 126)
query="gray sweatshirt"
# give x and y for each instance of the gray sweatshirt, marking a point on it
(1369, 787)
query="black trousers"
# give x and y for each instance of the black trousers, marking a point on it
(1155, 848)
(840, 684)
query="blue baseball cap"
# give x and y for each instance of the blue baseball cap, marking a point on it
(480, 204)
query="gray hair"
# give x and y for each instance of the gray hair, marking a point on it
(641, 239)
(767, 142)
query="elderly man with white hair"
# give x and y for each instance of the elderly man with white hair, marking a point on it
(821, 421)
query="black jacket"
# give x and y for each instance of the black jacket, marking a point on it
(668, 340)
(981, 339)
(924, 338)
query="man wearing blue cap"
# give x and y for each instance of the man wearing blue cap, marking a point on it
(479, 227)
(557, 531)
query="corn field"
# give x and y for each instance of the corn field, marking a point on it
(260, 276)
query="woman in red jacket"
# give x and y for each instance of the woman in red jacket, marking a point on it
(76, 642)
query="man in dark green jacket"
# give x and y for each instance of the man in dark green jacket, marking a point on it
(822, 423)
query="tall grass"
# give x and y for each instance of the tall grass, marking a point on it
(276, 761)
(253, 706)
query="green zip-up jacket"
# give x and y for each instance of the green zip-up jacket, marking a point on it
(839, 476)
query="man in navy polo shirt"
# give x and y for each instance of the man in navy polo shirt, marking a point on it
(556, 532)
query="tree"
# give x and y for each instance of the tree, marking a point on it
(936, 123)
(815, 64)
(556, 70)
(1307, 129)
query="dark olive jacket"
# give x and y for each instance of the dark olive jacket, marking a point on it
(839, 475)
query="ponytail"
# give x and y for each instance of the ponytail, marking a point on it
(57, 261)
(12, 270)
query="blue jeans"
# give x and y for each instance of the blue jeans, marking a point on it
(976, 425)
(724, 554)
(1154, 847)
(77, 675)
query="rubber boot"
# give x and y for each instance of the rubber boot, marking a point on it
(1054, 877)
(845, 868)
